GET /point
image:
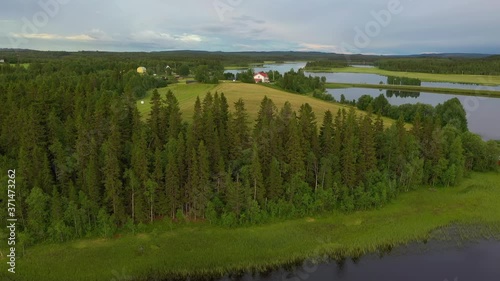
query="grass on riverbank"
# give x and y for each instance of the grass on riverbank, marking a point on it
(252, 94)
(488, 80)
(416, 89)
(203, 249)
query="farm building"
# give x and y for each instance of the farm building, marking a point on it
(141, 70)
(261, 77)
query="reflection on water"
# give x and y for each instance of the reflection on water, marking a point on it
(483, 113)
(401, 94)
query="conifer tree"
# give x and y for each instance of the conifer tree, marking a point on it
(172, 180)
(326, 134)
(112, 171)
(275, 181)
(349, 151)
(174, 116)
(257, 178)
(238, 132)
(294, 152)
(155, 119)
(202, 189)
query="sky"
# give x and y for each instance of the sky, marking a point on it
(338, 26)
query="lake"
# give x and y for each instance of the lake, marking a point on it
(434, 260)
(483, 113)
(359, 78)
(280, 67)
(367, 78)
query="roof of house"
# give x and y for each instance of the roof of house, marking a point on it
(261, 73)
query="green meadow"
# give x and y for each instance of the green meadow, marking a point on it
(252, 95)
(168, 250)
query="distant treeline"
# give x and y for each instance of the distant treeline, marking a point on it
(152, 58)
(326, 64)
(392, 80)
(475, 66)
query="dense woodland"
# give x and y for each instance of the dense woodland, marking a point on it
(87, 163)
(189, 57)
(475, 66)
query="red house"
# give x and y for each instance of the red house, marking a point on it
(261, 77)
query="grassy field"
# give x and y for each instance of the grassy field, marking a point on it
(416, 89)
(429, 77)
(171, 250)
(252, 94)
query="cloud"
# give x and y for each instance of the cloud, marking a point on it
(155, 36)
(188, 38)
(319, 48)
(48, 36)
(246, 18)
(315, 25)
(98, 34)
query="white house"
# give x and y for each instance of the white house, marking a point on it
(261, 77)
(2, 60)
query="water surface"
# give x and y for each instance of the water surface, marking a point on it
(432, 261)
(483, 113)
(367, 78)
(280, 67)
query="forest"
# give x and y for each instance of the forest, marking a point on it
(325, 64)
(16, 56)
(88, 164)
(474, 66)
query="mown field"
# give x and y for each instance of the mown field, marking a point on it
(167, 250)
(429, 77)
(252, 94)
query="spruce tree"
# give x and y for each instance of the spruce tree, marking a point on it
(172, 180)
(257, 180)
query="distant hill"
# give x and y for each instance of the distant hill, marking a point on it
(453, 55)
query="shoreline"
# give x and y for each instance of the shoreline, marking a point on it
(167, 250)
(463, 92)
